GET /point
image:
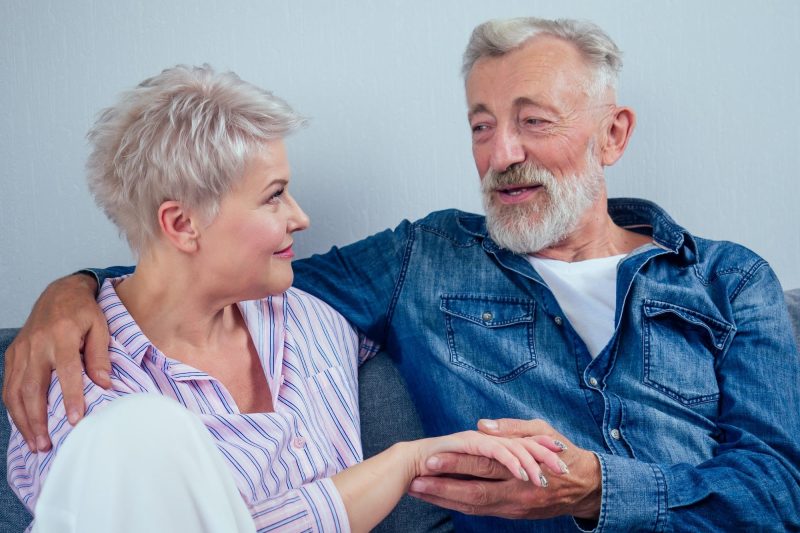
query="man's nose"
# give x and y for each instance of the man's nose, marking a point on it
(507, 150)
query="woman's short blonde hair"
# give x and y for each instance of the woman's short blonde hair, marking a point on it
(186, 135)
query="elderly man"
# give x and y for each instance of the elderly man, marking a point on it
(664, 361)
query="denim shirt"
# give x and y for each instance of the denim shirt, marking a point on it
(693, 407)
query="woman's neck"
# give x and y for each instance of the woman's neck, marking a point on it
(171, 305)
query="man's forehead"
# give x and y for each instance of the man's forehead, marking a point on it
(543, 65)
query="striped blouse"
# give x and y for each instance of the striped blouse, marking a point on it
(281, 461)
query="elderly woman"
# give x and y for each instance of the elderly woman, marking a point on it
(251, 421)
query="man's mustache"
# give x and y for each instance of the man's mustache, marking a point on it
(527, 174)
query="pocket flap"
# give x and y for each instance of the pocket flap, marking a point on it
(489, 311)
(718, 330)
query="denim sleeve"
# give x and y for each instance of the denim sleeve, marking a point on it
(753, 481)
(100, 274)
(362, 280)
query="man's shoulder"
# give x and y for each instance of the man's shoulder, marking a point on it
(719, 257)
(454, 225)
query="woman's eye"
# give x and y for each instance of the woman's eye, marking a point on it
(276, 197)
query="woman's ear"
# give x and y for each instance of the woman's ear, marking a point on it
(618, 131)
(179, 226)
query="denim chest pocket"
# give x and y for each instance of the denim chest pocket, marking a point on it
(680, 346)
(491, 335)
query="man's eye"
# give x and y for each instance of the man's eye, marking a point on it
(532, 121)
(477, 128)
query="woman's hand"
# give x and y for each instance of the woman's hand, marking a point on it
(522, 456)
(482, 486)
(64, 322)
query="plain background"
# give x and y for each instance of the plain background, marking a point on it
(715, 85)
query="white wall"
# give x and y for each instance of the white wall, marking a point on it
(715, 84)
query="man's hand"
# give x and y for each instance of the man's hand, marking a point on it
(496, 493)
(65, 321)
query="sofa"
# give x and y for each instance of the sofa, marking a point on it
(387, 416)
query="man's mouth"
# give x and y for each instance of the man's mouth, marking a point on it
(517, 193)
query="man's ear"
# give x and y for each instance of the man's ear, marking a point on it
(618, 130)
(179, 226)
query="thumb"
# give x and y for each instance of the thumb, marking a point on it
(514, 427)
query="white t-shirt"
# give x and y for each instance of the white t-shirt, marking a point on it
(587, 293)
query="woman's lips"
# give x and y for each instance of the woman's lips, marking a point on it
(515, 195)
(286, 253)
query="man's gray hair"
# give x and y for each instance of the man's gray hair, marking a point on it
(498, 37)
(185, 135)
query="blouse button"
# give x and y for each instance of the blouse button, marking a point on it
(615, 434)
(487, 316)
(558, 320)
(298, 442)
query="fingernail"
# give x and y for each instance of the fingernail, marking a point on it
(523, 474)
(73, 417)
(418, 486)
(434, 463)
(560, 444)
(563, 466)
(41, 443)
(543, 481)
(488, 424)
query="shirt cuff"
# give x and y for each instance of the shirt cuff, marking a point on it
(634, 496)
(316, 506)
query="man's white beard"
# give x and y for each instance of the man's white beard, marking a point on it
(534, 225)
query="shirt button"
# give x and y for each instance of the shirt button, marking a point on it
(558, 320)
(615, 434)
(593, 383)
(487, 316)
(298, 442)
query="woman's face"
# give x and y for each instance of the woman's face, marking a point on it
(247, 248)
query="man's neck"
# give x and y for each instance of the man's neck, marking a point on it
(595, 236)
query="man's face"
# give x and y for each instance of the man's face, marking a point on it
(534, 129)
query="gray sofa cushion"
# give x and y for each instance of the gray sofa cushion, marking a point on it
(13, 515)
(387, 416)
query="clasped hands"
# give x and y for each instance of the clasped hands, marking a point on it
(478, 485)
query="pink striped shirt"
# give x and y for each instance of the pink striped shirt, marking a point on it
(281, 461)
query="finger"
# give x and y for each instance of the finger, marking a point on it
(524, 454)
(461, 495)
(12, 396)
(34, 387)
(509, 454)
(512, 427)
(544, 455)
(445, 504)
(69, 369)
(550, 443)
(96, 358)
(466, 465)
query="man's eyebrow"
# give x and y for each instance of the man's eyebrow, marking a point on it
(518, 102)
(477, 108)
(524, 100)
